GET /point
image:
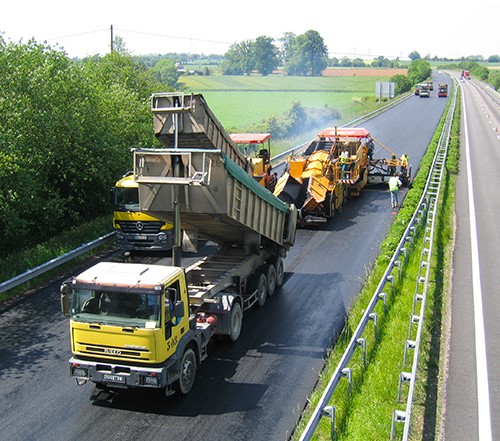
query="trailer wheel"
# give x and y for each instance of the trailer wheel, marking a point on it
(236, 321)
(271, 277)
(187, 372)
(280, 271)
(258, 283)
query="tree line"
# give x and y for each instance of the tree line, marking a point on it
(65, 136)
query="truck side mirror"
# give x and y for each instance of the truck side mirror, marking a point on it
(65, 297)
(178, 309)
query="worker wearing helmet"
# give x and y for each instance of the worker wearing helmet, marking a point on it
(394, 184)
(404, 162)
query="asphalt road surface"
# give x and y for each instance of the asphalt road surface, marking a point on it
(473, 386)
(254, 389)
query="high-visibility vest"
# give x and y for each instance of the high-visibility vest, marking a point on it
(394, 183)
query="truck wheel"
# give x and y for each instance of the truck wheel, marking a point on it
(236, 321)
(271, 279)
(187, 372)
(280, 271)
(259, 283)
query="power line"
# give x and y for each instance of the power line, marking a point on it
(174, 36)
(77, 35)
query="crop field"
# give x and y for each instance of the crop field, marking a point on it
(241, 102)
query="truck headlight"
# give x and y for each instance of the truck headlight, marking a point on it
(80, 372)
(119, 236)
(162, 237)
(151, 381)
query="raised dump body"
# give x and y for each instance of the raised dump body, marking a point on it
(196, 124)
(219, 199)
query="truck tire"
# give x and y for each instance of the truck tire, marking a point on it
(187, 372)
(259, 282)
(271, 277)
(236, 321)
(280, 271)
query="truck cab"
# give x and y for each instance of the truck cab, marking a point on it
(136, 230)
(424, 91)
(131, 326)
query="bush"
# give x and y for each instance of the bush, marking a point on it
(65, 134)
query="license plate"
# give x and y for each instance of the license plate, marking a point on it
(139, 237)
(113, 378)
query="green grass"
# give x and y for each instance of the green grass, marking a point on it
(241, 102)
(19, 261)
(366, 413)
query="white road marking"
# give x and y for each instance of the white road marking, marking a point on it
(483, 395)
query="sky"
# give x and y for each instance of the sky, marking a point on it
(362, 28)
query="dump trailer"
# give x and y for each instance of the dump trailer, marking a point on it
(134, 229)
(331, 168)
(136, 325)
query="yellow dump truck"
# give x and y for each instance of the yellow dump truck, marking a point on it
(148, 326)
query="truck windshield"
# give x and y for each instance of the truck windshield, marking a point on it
(126, 199)
(116, 308)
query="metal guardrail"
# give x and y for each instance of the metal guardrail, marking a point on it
(51, 264)
(425, 208)
(432, 193)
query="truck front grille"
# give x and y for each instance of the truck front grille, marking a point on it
(140, 227)
(114, 352)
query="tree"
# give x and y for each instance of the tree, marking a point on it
(414, 56)
(419, 70)
(402, 83)
(358, 62)
(493, 59)
(239, 59)
(345, 62)
(120, 46)
(265, 54)
(166, 72)
(66, 132)
(381, 61)
(309, 55)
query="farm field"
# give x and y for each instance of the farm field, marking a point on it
(242, 102)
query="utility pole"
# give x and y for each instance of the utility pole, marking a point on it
(112, 38)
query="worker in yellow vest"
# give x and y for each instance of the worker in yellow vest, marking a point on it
(404, 160)
(394, 184)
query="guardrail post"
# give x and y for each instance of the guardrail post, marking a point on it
(329, 412)
(416, 298)
(362, 342)
(404, 377)
(383, 296)
(409, 344)
(347, 372)
(397, 264)
(398, 416)
(374, 316)
(391, 280)
(413, 319)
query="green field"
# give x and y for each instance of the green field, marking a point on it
(241, 102)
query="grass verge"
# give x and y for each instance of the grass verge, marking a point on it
(18, 262)
(366, 412)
